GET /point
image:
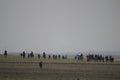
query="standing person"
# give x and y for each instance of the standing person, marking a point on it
(5, 53)
(24, 54)
(40, 64)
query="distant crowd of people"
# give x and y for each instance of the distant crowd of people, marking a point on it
(29, 55)
(89, 57)
(55, 57)
(79, 57)
(44, 56)
(95, 57)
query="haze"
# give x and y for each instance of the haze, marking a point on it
(59, 25)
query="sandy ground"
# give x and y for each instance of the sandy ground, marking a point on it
(16, 68)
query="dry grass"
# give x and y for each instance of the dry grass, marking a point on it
(56, 70)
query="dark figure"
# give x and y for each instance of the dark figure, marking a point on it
(49, 56)
(5, 53)
(111, 59)
(102, 59)
(88, 58)
(24, 54)
(21, 55)
(55, 56)
(78, 57)
(31, 54)
(75, 57)
(63, 57)
(59, 57)
(106, 58)
(81, 57)
(40, 65)
(44, 55)
(39, 56)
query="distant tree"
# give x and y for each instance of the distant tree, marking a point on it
(44, 55)
(5, 53)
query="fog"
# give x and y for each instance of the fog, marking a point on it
(59, 25)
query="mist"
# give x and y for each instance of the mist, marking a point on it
(59, 25)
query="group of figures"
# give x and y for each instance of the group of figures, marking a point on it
(79, 57)
(89, 57)
(29, 55)
(44, 56)
(100, 58)
(95, 57)
(55, 57)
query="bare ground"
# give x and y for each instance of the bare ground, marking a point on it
(59, 71)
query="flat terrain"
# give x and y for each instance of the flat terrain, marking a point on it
(16, 68)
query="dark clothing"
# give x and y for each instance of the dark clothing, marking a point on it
(40, 64)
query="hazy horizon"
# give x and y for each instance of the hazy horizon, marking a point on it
(60, 25)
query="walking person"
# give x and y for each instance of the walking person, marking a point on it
(40, 64)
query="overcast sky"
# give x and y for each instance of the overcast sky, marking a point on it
(59, 25)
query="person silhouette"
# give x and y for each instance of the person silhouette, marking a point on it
(40, 64)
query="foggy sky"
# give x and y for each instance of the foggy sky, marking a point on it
(59, 25)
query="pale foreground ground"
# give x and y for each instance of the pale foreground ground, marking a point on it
(15, 68)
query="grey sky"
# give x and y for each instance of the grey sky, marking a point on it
(59, 25)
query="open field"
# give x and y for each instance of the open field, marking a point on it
(16, 68)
